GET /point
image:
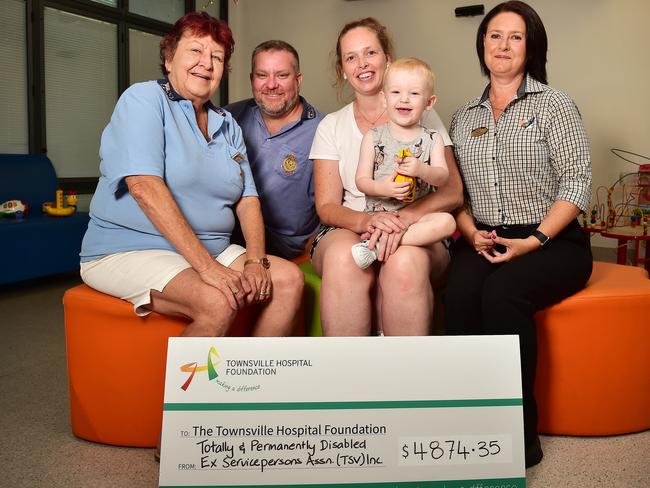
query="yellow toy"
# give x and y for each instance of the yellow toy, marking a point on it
(71, 199)
(399, 178)
(60, 210)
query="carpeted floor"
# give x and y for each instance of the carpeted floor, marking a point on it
(37, 448)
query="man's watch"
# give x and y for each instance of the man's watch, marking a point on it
(541, 237)
(263, 261)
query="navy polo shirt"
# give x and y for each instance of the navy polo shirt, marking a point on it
(283, 175)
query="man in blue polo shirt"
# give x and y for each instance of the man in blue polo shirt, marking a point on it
(278, 127)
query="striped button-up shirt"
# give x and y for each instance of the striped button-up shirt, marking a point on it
(535, 154)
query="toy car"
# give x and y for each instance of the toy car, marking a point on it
(13, 208)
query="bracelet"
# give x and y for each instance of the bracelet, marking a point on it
(263, 261)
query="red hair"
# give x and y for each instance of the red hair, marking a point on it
(199, 24)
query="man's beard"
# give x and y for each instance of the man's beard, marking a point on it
(286, 107)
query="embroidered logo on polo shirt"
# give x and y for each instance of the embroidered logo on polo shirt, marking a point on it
(290, 165)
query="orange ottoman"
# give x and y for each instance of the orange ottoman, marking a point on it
(593, 366)
(116, 366)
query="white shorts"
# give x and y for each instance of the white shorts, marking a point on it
(132, 275)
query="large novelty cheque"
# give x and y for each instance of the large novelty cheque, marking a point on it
(354, 411)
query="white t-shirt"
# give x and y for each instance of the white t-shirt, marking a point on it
(339, 139)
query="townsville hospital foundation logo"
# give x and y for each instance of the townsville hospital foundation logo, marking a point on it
(210, 366)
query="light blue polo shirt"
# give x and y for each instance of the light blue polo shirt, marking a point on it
(153, 131)
(283, 174)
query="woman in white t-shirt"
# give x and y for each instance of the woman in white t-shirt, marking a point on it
(397, 291)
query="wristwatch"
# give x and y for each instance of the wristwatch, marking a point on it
(263, 261)
(541, 237)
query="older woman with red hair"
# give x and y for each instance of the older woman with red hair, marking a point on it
(174, 175)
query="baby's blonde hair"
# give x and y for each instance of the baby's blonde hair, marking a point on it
(414, 65)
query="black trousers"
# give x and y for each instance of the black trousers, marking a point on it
(486, 298)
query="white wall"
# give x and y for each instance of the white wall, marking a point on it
(599, 53)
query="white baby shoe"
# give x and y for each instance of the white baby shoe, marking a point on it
(363, 256)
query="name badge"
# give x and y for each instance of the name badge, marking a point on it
(238, 157)
(479, 131)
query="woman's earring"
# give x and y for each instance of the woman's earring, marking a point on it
(345, 77)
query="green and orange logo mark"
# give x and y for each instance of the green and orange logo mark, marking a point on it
(210, 367)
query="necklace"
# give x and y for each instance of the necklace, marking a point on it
(372, 123)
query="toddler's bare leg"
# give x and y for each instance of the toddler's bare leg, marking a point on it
(431, 228)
